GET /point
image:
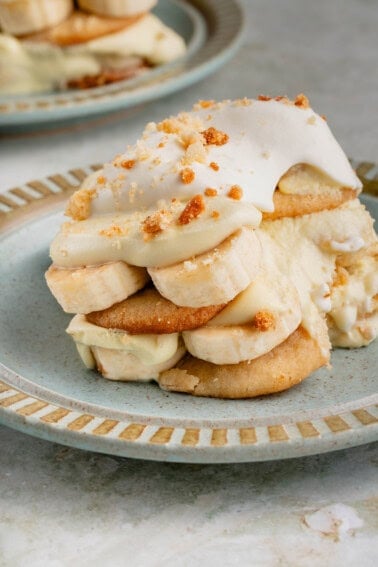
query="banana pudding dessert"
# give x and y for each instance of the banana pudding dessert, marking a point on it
(57, 44)
(221, 255)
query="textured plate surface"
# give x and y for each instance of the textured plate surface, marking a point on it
(45, 391)
(212, 31)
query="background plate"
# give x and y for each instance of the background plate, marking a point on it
(45, 391)
(212, 30)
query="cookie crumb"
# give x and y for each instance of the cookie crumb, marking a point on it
(263, 320)
(210, 192)
(153, 224)
(215, 215)
(215, 137)
(302, 101)
(205, 103)
(114, 230)
(235, 192)
(193, 209)
(128, 163)
(79, 205)
(187, 175)
(214, 165)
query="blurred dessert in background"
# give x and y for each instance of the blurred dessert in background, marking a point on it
(57, 44)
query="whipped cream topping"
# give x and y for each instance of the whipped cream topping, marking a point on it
(29, 66)
(254, 143)
(149, 349)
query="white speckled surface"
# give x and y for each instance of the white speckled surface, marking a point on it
(58, 505)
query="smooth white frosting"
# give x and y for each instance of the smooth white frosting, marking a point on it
(266, 138)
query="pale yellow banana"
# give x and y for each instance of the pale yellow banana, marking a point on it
(256, 321)
(19, 17)
(117, 8)
(83, 290)
(214, 277)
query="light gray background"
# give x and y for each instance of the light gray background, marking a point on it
(61, 505)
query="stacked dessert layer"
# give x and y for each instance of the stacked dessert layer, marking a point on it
(48, 44)
(220, 254)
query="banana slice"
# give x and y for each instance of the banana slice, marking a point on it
(83, 290)
(19, 17)
(117, 8)
(121, 365)
(120, 356)
(214, 277)
(149, 349)
(258, 320)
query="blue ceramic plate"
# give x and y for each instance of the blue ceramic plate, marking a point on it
(45, 391)
(212, 31)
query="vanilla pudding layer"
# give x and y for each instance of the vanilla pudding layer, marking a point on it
(29, 66)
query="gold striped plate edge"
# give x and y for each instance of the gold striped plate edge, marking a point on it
(37, 191)
(33, 409)
(24, 196)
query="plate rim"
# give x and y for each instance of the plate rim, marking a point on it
(59, 107)
(217, 442)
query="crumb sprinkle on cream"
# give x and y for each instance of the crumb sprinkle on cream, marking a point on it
(193, 209)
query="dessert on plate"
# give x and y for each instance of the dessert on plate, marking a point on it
(58, 44)
(221, 255)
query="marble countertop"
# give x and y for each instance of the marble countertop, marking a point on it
(60, 506)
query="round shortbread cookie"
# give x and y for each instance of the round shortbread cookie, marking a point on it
(148, 312)
(286, 205)
(286, 365)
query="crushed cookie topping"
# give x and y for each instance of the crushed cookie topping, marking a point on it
(302, 101)
(187, 175)
(235, 192)
(193, 209)
(178, 124)
(114, 230)
(79, 205)
(215, 137)
(215, 215)
(155, 223)
(101, 180)
(263, 320)
(243, 102)
(169, 126)
(204, 104)
(210, 192)
(128, 163)
(195, 152)
(214, 166)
